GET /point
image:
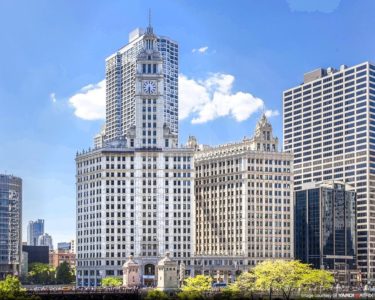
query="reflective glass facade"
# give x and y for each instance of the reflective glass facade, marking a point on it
(325, 226)
(34, 230)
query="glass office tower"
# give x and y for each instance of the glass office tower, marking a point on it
(325, 226)
(34, 230)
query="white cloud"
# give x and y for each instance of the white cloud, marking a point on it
(201, 100)
(201, 50)
(212, 98)
(89, 102)
(52, 96)
(324, 6)
(271, 113)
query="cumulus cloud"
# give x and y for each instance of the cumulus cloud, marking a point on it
(324, 6)
(201, 50)
(212, 98)
(271, 113)
(89, 102)
(200, 100)
(52, 96)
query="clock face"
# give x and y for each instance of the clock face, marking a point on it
(149, 87)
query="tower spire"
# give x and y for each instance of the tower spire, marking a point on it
(149, 27)
(149, 17)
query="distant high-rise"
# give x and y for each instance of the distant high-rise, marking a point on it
(67, 246)
(34, 230)
(64, 246)
(121, 85)
(45, 240)
(325, 226)
(10, 225)
(329, 125)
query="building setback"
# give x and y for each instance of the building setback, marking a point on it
(325, 226)
(329, 126)
(135, 188)
(10, 225)
(244, 204)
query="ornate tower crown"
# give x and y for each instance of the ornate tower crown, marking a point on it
(150, 37)
(263, 138)
(263, 126)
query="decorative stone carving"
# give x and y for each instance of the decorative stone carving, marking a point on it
(131, 273)
(167, 273)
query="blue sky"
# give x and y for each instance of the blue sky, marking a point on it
(251, 50)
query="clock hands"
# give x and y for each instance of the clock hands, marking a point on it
(149, 87)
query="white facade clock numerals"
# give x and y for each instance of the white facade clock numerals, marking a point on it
(149, 87)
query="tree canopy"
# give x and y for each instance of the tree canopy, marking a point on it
(156, 295)
(11, 288)
(244, 286)
(41, 274)
(199, 283)
(317, 280)
(111, 281)
(286, 277)
(64, 274)
(280, 275)
(195, 287)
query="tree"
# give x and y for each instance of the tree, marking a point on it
(317, 280)
(111, 281)
(157, 295)
(280, 276)
(195, 287)
(41, 274)
(64, 274)
(244, 286)
(11, 288)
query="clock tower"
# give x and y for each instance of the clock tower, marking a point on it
(150, 130)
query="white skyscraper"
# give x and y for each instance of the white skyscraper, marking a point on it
(135, 189)
(329, 126)
(121, 73)
(244, 204)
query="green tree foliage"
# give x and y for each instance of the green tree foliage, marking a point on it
(41, 274)
(195, 287)
(244, 286)
(317, 281)
(64, 274)
(11, 288)
(199, 283)
(111, 281)
(280, 276)
(157, 295)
